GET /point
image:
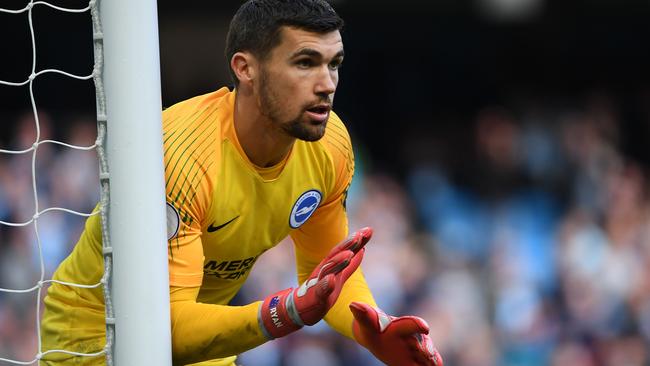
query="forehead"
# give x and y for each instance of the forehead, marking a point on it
(294, 39)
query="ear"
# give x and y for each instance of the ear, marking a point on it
(244, 65)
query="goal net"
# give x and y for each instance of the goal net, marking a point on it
(130, 38)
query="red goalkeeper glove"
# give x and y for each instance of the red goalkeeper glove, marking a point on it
(288, 310)
(396, 341)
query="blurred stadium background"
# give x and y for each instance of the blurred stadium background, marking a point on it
(503, 157)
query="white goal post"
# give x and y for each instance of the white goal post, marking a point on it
(137, 222)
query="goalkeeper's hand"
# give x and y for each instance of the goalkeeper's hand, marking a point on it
(288, 310)
(396, 341)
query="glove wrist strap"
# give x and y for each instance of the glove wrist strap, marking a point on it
(278, 315)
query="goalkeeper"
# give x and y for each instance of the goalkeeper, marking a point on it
(244, 169)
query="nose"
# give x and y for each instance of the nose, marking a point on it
(327, 81)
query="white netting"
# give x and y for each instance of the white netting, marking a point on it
(96, 76)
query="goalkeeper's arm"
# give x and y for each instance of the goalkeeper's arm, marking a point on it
(204, 331)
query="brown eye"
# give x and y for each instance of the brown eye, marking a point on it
(335, 65)
(304, 63)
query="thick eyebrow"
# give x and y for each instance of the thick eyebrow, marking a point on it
(313, 53)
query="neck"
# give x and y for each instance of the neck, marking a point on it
(263, 142)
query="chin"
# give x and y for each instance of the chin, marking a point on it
(318, 131)
(314, 135)
(309, 131)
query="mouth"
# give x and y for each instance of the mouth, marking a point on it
(319, 113)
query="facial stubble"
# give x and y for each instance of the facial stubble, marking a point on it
(271, 107)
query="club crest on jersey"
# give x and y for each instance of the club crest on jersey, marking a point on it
(173, 221)
(304, 208)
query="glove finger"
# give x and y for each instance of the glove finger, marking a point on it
(359, 239)
(424, 350)
(325, 286)
(365, 315)
(426, 354)
(355, 262)
(354, 242)
(437, 359)
(335, 264)
(409, 325)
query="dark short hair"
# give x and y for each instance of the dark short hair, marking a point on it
(257, 25)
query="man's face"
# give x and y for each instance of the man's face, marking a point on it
(298, 81)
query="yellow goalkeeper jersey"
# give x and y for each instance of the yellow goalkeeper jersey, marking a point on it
(223, 212)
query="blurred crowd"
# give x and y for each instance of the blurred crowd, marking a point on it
(64, 177)
(526, 244)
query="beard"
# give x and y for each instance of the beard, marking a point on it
(271, 107)
(303, 131)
